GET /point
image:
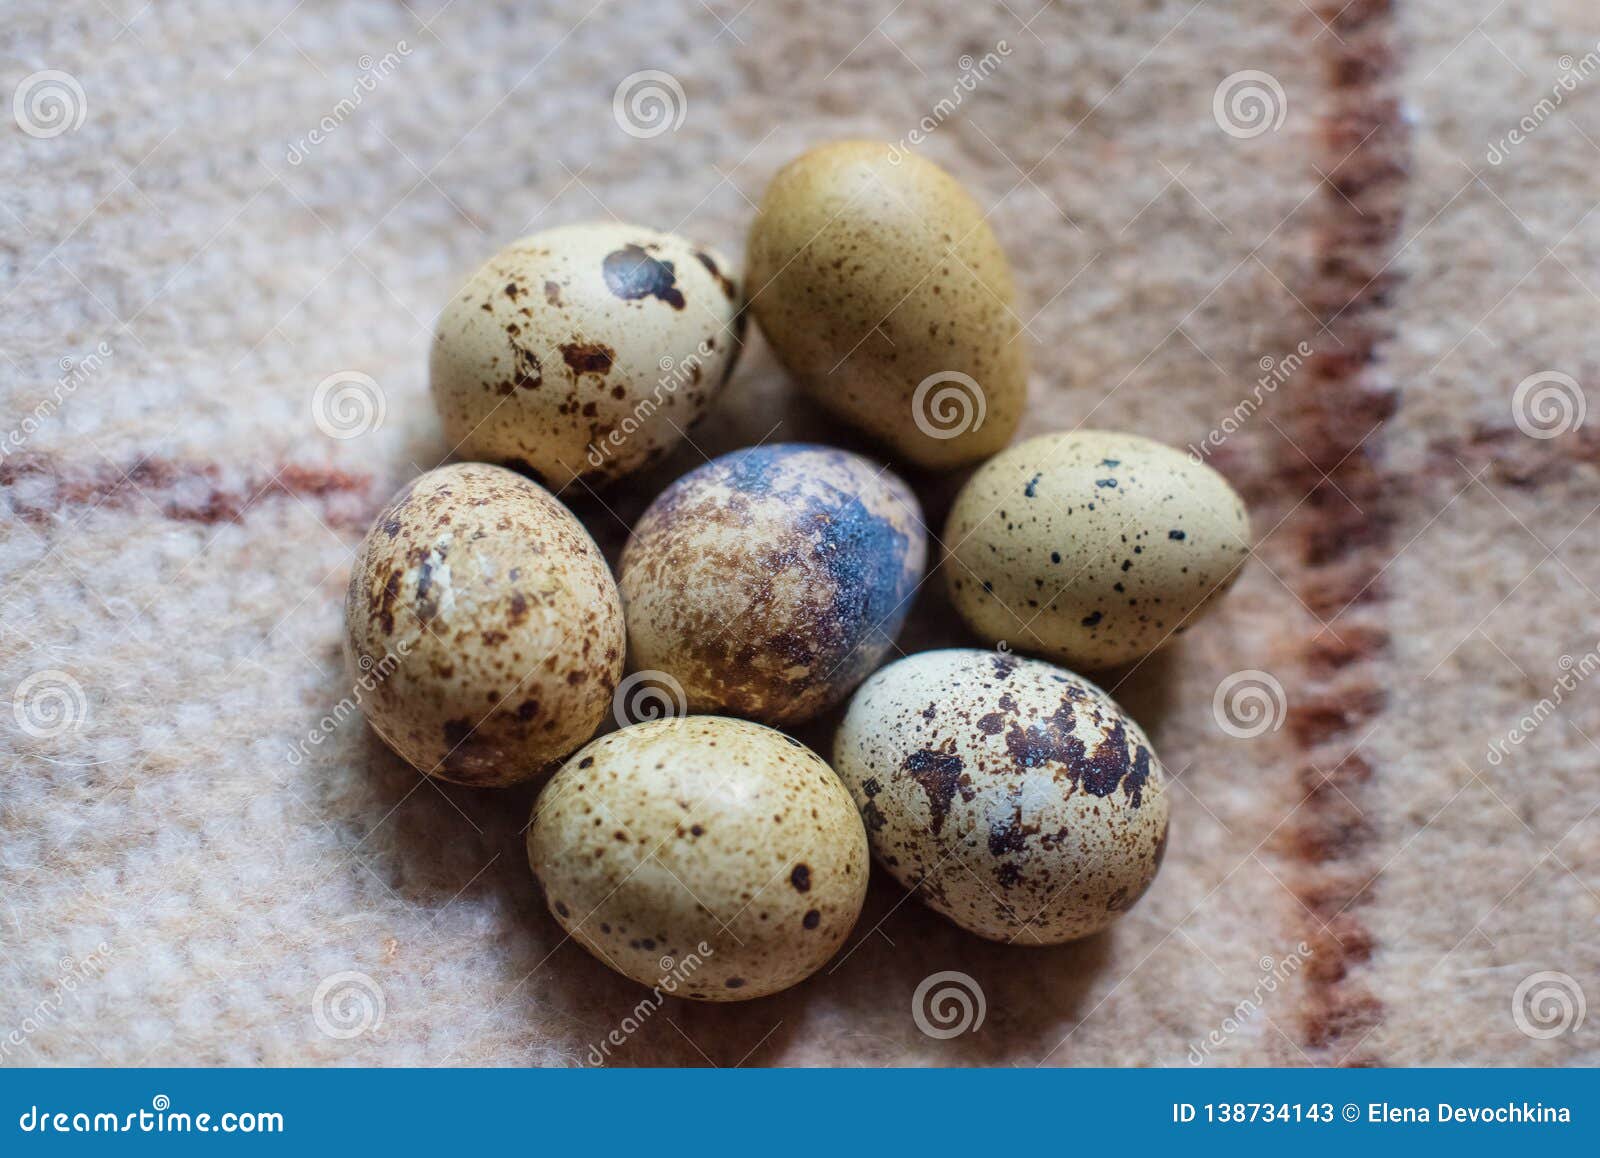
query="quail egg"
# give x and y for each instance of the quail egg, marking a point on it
(769, 582)
(1091, 547)
(880, 286)
(714, 858)
(482, 626)
(1013, 797)
(585, 351)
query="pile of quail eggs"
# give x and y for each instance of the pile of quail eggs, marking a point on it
(1009, 794)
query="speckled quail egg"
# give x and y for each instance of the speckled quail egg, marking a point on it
(483, 627)
(769, 582)
(880, 286)
(1014, 797)
(1091, 547)
(585, 351)
(714, 854)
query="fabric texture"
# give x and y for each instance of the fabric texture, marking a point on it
(1329, 286)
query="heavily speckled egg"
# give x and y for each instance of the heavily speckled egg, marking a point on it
(769, 582)
(1014, 797)
(716, 853)
(881, 287)
(1092, 548)
(585, 351)
(483, 627)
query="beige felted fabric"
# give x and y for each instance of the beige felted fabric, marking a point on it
(194, 868)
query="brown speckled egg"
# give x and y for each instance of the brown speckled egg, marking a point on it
(881, 287)
(483, 627)
(1015, 798)
(1092, 548)
(585, 351)
(715, 858)
(769, 582)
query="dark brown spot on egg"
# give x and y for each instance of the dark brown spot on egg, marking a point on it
(526, 373)
(588, 357)
(632, 274)
(941, 775)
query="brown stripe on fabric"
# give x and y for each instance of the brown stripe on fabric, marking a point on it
(40, 487)
(1343, 530)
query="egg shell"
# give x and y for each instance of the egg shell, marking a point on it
(706, 842)
(1091, 547)
(872, 272)
(487, 625)
(585, 351)
(769, 582)
(1015, 798)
